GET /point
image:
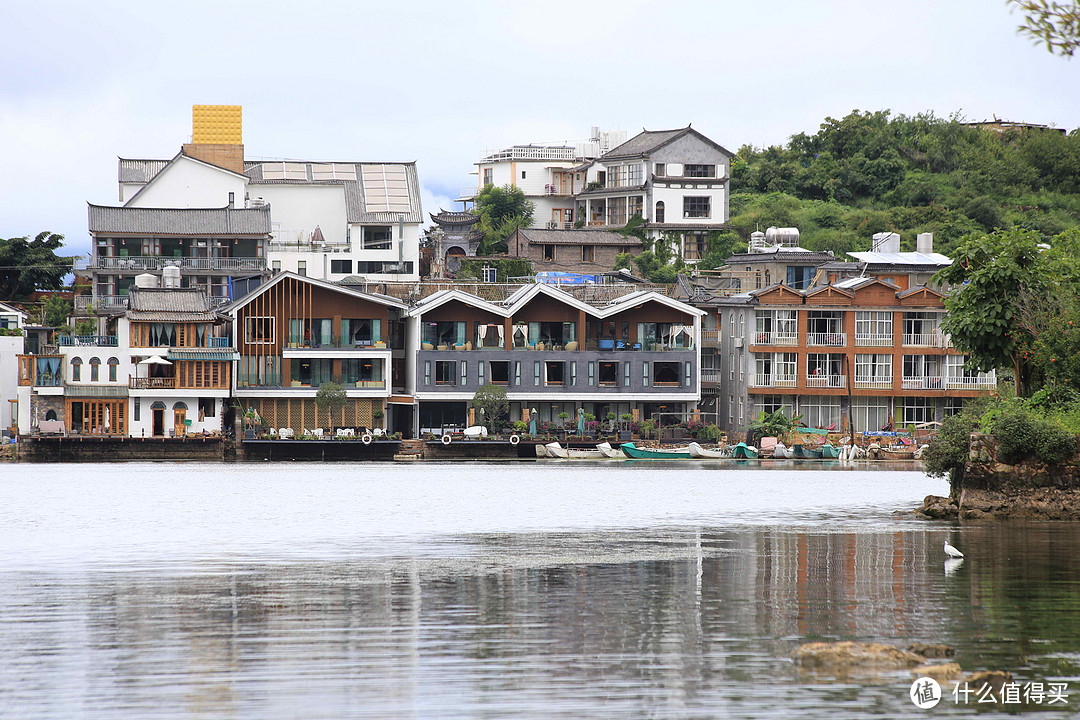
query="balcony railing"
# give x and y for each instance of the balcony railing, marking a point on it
(873, 383)
(828, 339)
(710, 336)
(152, 383)
(336, 343)
(983, 382)
(308, 247)
(86, 340)
(873, 340)
(710, 376)
(142, 263)
(923, 382)
(785, 381)
(936, 340)
(775, 338)
(826, 381)
(556, 189)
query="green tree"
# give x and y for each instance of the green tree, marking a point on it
(56, 311)
(1054, 24)
(27, 265)
(502, 210)
(492, 400)
(331, 396)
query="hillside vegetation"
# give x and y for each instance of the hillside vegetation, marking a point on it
(872, 172)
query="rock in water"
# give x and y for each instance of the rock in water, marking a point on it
(854, 658)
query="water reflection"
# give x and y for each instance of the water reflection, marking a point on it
(678, 621)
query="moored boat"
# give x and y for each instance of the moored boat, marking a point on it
(828, 451)
(609, 452)
(635, 452)
(743, 451)
(805, 452)
(696, 451)
(556, 450)
(782, 451)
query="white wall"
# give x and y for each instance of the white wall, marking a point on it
(10, 347)
(191, 184)
(297, 209)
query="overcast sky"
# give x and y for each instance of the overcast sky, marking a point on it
(439, 82)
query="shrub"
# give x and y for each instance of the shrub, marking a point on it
(948, 449)
(1054, 443)
(1016, 433)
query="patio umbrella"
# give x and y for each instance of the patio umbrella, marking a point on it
(108, 416)
(532, 422)
(155, 360)
(581, 421)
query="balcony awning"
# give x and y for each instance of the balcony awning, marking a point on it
(195, 354)
(95, 391)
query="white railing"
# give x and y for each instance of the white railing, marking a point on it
(826, 381)
(937, 340)
(983, 382)
(275, 246)
(469, 192)
(710, 336)
(155, 262)
(922, 382)
(775, 338)
(828, 339)
(710, 376)
(873, 383)
(100, 302)
(873, 340)
(529, 152)
(785, 381)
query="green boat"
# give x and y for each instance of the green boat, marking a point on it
(632, 451)
(829, 451)
(742, 451)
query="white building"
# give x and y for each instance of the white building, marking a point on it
(549, 175)
(12, 321)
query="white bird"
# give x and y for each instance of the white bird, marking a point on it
(951, 551)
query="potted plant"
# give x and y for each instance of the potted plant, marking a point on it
(377, 416)
(626, 433)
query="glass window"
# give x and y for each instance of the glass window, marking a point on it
(704, 171)
(113, 367)
(821, 411)
(341, 266)
(76, 369)
(660, 210)
(869, 413)
(95, 368)
(377, 237)
(696, 207)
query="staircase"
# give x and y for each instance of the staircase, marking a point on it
(411, 450)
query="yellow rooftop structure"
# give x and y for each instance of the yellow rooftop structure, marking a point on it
(216, 125)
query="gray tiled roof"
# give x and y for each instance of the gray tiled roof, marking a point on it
(170, 305)
(355, 209)
(643, 143)
(139, 171)
(577, 237)
(180, 221)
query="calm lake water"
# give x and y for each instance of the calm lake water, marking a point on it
(504, 590)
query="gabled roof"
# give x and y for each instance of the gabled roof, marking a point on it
(158, 172)
(444, 296)
(179, 221)
(170, 305)
(521, 297)
(857, 283)
(577, 237)
(829, 289)
(648, 141)
(919, 289)
(781, 254)
(333, 287)
(778, 287)
(5, 308)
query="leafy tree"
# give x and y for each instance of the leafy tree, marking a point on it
(492, 400)
(332, 397)
(502, 210)
(56, 311)
(1055, 24)
(27, 265)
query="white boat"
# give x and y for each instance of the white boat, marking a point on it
(609, 452)
(541, 451)
(783, 451)
(556, 450)
(696, 451)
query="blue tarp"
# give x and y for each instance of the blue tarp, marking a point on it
(551, 277)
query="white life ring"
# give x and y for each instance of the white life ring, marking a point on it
(366, 438)
(446, 439)
(514, 439)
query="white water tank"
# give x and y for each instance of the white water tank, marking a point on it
(170, 276)
(924, 243)
(146, 280)
(886, 242)
(788, 237)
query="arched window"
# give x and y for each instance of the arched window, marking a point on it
(158, 406)
(113, 365)
(50, 415)
(179, 406)
(76, 369)
(95, 369)
(659, 211)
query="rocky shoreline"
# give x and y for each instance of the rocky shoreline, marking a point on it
(988, 489)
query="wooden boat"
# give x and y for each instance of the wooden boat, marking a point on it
(829, 452)
(696, 451)
(743, 451)
(805, 452)
(609, 452)
(632, 451)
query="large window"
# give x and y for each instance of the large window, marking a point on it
(776, 327)
(666, 374)
(500, 372)
(379, 237)
(696, 207)
(821, 411)
(341, 266)
(870, 413)
(311, 372)
(635, 174)
(608, 374)
(918, 410)
(259, 330)
(694, 245)
(587, 253)
(705, 171)
(95, 369)
(873, 328)
(114, 365)
(554, 373)
(443, 335)
(873, 371)
(659, 211)
(446, 372)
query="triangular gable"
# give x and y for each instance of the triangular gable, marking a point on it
(921, 296)
(777, 294)
(444, 296)
(883, 291)
(4, 307)
(829, 294)
(521, 299)
(643, 296)
(181, 157)
(333, 287)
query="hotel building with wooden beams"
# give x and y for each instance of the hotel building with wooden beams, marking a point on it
(294, 334)
(554, 352)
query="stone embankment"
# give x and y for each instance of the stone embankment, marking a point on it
(986, 488)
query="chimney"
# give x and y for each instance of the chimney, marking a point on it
(216, 136)
(924, 243)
